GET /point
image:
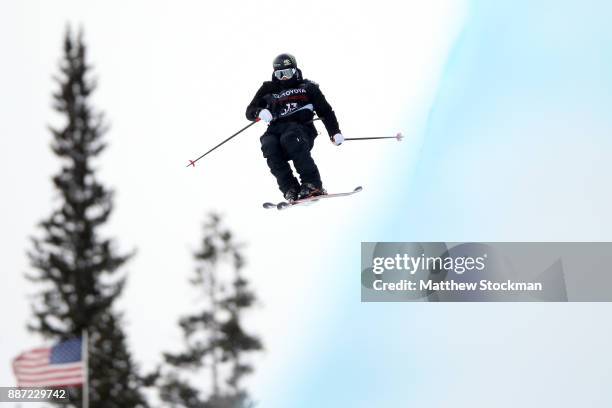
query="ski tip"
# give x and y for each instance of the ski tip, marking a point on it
(191, 163)
(399, 136)
(357, 189)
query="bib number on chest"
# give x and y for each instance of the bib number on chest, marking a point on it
(288, 108)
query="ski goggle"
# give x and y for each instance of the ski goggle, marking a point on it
(285, 73)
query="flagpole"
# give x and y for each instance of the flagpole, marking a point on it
(84, 351)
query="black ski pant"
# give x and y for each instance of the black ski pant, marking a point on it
(290, 141)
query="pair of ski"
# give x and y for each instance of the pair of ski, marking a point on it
(283, 205)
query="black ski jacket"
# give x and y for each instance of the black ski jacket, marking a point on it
(294, 100)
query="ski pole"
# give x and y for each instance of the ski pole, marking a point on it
(398, 137)
(193, 162)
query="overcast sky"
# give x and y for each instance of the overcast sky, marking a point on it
(174, 80)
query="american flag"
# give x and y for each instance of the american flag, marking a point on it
(60, 365)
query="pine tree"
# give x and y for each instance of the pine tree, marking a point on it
(77, 269)
(215, 337)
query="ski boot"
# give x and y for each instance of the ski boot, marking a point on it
(291, 195)
(309, 190)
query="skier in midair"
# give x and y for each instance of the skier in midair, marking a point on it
(288, 103)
